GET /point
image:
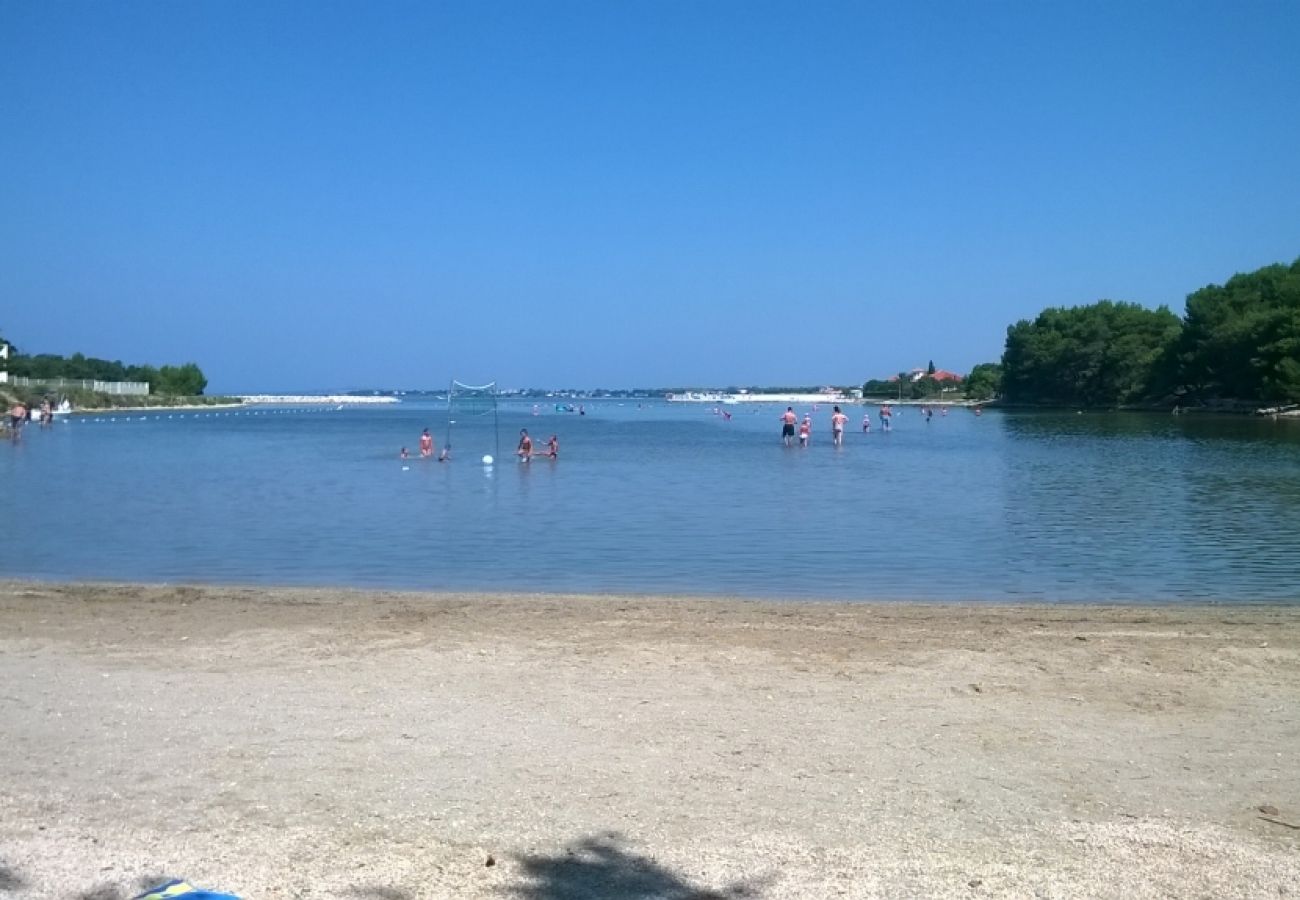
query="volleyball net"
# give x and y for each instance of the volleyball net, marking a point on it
(472, 424)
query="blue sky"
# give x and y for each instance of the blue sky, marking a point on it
(328, 195)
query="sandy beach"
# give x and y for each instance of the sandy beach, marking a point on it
(328, 743)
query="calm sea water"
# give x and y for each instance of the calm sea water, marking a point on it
(660, 498)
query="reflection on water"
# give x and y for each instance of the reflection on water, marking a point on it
(1158, 506)
(669, 499)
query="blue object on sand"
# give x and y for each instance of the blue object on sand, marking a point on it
(182, 890)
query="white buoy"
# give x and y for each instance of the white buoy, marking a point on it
(487, 459)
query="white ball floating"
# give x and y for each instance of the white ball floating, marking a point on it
(487, 459)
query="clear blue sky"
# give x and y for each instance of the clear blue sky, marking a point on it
(326, 195)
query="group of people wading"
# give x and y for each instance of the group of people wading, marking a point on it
(20, 414)
(525, 449)
(789, 420)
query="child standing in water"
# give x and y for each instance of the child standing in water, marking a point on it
(805, 431)
(866, 423)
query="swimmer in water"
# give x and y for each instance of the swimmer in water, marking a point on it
(837, 427)
(866, 423)
(445, 455)
(426, 443)
(553, 447)
(805, 431)
(403, 454)
(525, 449)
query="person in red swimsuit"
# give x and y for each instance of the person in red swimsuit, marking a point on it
(426, 443)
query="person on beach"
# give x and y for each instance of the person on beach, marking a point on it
(838, 419)
(426, 444)
(787, 425)
(525, 449)
(553, 447)
(805, 430)
(866, 423)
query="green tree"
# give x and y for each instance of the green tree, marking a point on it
(930, 369)
(186, 380)
(984, 382)
(879, 387)
(1241, 340)
(1103, 354)
(923, 388)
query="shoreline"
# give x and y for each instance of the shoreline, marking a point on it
(772, 601)
(243, 401)
(103, 410)
(336, 399)
(818, 399)
(385, 743)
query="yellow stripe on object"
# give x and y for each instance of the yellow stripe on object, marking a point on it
(175, 890)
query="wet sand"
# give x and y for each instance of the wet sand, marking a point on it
(327, 743)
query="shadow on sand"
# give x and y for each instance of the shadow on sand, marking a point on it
(599, 868)
(10, 880)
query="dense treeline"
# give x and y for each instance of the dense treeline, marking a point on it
(1242, 340)
(1104, 354)
(903, 387)
(1239, 341)
(183, 380)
